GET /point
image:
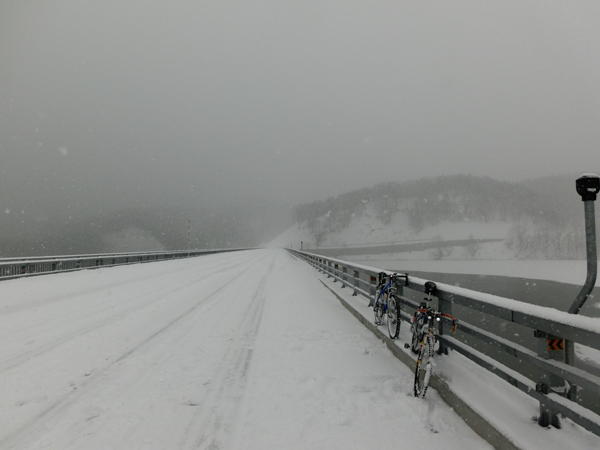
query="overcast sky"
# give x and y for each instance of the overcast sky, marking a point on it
(148, 102)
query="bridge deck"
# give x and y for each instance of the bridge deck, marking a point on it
(242, 350)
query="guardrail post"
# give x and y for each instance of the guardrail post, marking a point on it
(356, 282)
(372, 290)
(400, 292)
(549, 347)
(445, 306)
(336, 272)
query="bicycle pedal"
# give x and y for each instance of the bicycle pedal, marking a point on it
(407, 345)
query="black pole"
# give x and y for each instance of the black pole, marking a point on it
(588, 186)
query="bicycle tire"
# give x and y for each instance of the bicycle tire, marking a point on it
(416, 342)
(417, 337)
(424, 368)
(378, 309)
(393, 317)
(378, 312)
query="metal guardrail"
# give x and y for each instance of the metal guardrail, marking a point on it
(22, 267)
(557, 385)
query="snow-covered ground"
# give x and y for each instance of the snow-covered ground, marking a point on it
(240, 350)
(244, 350)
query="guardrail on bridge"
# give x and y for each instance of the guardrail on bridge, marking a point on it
(23, 267)
(560, 388)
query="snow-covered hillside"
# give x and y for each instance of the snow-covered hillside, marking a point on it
(531, 223)
(368, 229)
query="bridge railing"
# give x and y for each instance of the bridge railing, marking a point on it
(560, 388)
(23, 267)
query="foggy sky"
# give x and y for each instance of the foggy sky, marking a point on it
(146, 102)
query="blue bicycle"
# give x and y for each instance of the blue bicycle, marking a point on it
(387, 302)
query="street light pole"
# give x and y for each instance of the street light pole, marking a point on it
(587, 186)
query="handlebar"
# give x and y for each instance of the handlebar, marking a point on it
(384, 277)
(437, 314)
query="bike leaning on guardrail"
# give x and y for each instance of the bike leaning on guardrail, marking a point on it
(387, 302)
(424, 337)
(538, 374)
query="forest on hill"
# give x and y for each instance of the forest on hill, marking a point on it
(546, 215)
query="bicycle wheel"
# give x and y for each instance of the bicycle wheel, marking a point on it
(393, 317)
(417, 336)
(378, 312)
(378, 308)
(424, 367)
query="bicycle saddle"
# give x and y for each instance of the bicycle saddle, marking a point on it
(430, 286)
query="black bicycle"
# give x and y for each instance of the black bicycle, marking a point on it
(424, 337)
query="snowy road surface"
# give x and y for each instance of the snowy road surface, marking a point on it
(241, 350)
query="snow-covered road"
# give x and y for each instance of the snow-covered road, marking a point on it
(241, 350)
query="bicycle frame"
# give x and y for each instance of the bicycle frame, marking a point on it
(387, 303)
(388, 282)
(428, 317)
(424, 329)
(424, 337)
(385, 291)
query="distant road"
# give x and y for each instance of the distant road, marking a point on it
(397, 248)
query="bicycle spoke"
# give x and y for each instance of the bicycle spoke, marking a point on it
(393, 318)
(424, 368)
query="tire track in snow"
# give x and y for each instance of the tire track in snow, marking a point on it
(18, 360)
(217, 417)
(170, 436)
(35, 426)
(85, 292)
(96, 309)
